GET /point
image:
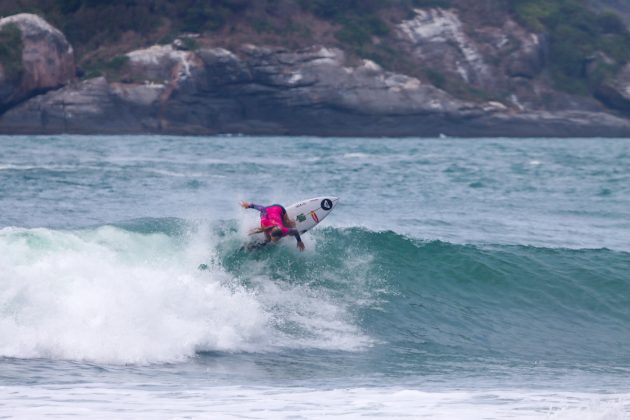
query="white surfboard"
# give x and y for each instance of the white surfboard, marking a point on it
(309, 213)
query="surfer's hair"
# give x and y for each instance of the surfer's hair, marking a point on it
(274, 231)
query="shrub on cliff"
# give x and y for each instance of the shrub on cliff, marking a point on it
(211, 15)
(112, 69)
(361, 25)
(90, 24)
(358, 18)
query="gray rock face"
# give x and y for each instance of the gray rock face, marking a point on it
(483, 58)
(497, 57)
(91, 106)
(261, 90)
(437, 38)
(494, 59)
(161, 64)
(311, 82)
(47, 59)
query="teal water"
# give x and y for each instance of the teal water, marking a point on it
(485, 278)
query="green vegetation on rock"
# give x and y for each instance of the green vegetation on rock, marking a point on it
(210, 15)
(578, 39)
(363, 26)
(359, 19)
(11, 52)
(188, 44)
(112, 68)
(93, 24)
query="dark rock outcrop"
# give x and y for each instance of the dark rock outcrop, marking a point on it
(616, 93)
(91, 106)
(47, 60)
(275, 91)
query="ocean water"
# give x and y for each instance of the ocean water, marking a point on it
(456, 279)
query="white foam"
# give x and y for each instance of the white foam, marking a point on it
(356, 155)
(348, 403)
(12, 167)
(113, 296)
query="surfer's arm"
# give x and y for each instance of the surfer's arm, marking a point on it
(248, 205)
(296, 234)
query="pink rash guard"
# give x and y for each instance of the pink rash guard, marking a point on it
(272, 216)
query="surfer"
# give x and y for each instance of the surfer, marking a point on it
(274, 223)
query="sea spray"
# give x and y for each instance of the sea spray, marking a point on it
(111, 295)
(135, 295)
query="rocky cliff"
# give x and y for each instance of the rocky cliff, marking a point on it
(43, 59)
(490, 80)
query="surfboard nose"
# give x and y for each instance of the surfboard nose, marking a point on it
(328, 203)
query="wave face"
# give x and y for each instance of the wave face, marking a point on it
(132, 293)
(513, 301)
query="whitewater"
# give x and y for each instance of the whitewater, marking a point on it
(477, 278)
